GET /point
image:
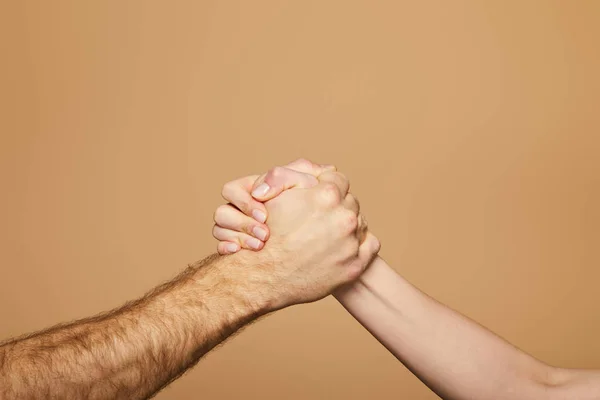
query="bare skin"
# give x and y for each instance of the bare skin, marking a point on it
(454, 356)
(134, 351)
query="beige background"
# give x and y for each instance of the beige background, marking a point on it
(470, 132)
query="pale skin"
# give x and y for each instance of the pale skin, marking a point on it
(454, 356)
(316, 245)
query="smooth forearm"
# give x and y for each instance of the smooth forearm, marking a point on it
(134, 351)
(453, 355)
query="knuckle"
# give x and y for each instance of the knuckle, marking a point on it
(349, 222)
(243, 205)
(341, 178)
(231, 193)
(227, 189)
(246, 228)
(276, 172)
(330, 195)
(305, 165)
(220, 213)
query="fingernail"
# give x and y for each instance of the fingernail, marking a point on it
(232, 247)
(261, 190)
(253, 243)
(259, 216)
(259, 233)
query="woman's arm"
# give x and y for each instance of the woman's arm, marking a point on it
(453, 355)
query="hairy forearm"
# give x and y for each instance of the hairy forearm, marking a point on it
(134, 351)
(453, 355)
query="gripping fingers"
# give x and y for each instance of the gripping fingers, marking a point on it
(229, 217)
(238, 193)
(224, 248)
(242, 239)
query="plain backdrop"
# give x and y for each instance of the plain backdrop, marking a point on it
(470, 132)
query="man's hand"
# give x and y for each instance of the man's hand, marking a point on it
(317, 240)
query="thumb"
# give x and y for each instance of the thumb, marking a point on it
(278, 179)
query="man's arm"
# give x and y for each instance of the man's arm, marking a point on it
(134, 351)
(453, 355)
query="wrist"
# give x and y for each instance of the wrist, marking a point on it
(258, 274)
(350, 290)
(376, 278)
(238, 279)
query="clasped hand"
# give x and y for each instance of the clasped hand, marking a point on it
(305, 224)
